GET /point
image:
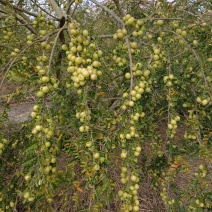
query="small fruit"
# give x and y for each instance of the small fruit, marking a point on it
(40, 94)
(159, 22)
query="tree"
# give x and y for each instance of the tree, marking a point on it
(122, 97)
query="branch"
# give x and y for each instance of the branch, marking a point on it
(196, 56)
(45, 11)
(109, 11)
(5, 3)
(131, 65)
(118, 6)
(69, 6)
(6, 47)
(58, 11)
(24, 22)
(14, 25)
(13, 60)
(53, 48)
(105, 36)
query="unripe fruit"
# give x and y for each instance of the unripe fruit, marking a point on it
(128, 136)
(127, 75)
(85, 33)
(42, 32)
(1, 145)
(82, 129)
(138, 149)
(133, 178)
(44, 79)
(170, 126)
(123, 154)
(53, 160)
(26, 195)
(47, 144)
(96, 155)
(204, 102)
(159, 22)
(173, 122)
(43, 44)
(45, 89)
(131, 103)
(93, 77)
(40, 94)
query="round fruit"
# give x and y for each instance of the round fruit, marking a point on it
(96, 155)
(26, 195)
(44, 79)
(45, 89)
(1, 145)
(53, 160)
(204, 102)
(47, 144)
(127, 75)
(131, 103)
(159, 22)
(128, 136)
(133, 178)
(138, 149)
(123, 154)
(93, 77)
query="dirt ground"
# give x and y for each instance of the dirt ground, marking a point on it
(19, 111)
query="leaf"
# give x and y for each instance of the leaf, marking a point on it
(68, 91)
(18, 76)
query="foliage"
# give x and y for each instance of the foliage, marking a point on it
(122, 96)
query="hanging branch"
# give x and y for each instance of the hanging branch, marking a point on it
(109, 11)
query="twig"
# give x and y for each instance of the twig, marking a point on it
(12, 61)
(46, 11)
(53, 48)
(118, 6)
(196, 56)
(131, 65)
(14, 25)
(4, 46)
(17, 8)
(69, 6)
(23, 21)
(109, 11)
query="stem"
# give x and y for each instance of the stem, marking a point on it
(131, 64)
(53, 48)
(109, 11)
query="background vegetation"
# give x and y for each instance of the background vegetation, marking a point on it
(122, 105)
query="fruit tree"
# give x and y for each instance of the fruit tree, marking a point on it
(122, 94)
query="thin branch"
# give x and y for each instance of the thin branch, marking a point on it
(12, 61)
(69, 6)
(53, 48)
(14, 25)
(105, 36)
(6, 47)
(118, 6)
(131, 65)
(195, 54)
(109, 11)
(5, 3)
(45, 11)
(27, 25)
